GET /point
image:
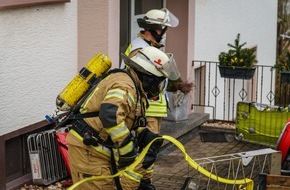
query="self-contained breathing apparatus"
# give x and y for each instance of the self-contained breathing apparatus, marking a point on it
(145, 62)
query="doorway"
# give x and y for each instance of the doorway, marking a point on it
(130, 11)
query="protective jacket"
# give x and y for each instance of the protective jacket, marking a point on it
(119, 104)
(140, 42)
(115, 98)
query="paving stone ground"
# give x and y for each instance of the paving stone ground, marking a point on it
(171, 169)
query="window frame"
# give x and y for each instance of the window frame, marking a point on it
(10, 4)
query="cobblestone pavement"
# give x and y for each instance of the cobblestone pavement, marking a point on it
(171, 169)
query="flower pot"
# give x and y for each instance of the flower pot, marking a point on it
(237, 72)
(285, 77)
(177, 107)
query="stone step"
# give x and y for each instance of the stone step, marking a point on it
(177, 129)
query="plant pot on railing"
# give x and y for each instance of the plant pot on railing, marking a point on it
(237, 72)
(238, 62)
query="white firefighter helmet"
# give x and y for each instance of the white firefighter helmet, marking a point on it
(158, 19)
(152, 61)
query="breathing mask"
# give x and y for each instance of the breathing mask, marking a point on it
(152, 85)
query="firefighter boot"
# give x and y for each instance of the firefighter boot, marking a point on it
(145, 184)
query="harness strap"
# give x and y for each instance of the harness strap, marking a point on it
(90, 135)
(114, 168)
(85, 115)
(82, 128)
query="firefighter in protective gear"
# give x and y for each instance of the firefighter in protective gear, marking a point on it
(97, 144)
(155, 24)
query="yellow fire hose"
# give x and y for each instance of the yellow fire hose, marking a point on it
(249, 183)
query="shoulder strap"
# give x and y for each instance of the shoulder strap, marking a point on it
(85, 115)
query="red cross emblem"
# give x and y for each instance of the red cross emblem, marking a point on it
(158, 61)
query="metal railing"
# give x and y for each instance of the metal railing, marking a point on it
(219, 96)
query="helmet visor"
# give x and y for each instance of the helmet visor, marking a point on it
(143, 64)
(170, 19)
(170, 70)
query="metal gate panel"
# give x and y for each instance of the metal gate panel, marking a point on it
(47, 165)
(260, 123)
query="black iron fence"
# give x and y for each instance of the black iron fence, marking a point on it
(219, 96)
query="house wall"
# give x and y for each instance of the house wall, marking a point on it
(217, 23)
(180, 40)
(38, 57)
(177, 38)
(98, 30)
(42, 49)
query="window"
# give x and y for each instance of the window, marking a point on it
(142, 6)
(8, 4)
(130, 10)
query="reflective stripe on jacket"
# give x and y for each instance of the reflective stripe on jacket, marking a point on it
(157, 108)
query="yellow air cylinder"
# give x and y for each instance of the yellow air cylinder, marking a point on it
(80, 84)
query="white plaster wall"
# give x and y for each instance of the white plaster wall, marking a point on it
(217, 22)
(98, 30)
(38, 56)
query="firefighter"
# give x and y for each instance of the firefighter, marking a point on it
(107, 141)
(155, 24)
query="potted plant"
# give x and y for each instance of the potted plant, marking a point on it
(283, 67)
(238, 62)
(178, 99)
